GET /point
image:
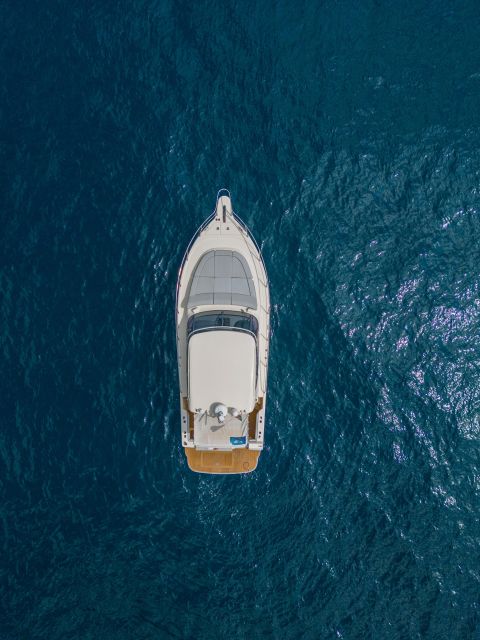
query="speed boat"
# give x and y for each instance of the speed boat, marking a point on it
(223, 328)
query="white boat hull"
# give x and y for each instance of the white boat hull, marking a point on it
(208, 445)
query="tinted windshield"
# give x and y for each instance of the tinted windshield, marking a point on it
(222, 319)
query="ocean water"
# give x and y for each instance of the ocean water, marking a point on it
(348, 134)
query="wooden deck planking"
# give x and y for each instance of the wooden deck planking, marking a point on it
(236, 461)
(191, 417)
(252, 419)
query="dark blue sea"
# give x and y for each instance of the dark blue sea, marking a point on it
(349, 136)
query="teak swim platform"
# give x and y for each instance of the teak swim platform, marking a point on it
(223, 329)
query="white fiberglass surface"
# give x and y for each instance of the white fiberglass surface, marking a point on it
(221, 369)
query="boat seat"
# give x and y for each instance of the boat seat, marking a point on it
(222, 277)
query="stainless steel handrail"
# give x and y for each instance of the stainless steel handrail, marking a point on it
(185, 255)
(252, 237)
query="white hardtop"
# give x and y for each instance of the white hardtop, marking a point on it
(222, 366)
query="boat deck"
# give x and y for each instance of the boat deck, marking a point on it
(252, 419)
(209, 432)
(236, 461)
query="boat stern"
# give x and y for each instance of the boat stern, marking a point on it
(222, 462)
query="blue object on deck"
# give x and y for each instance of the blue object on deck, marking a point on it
(236, 440)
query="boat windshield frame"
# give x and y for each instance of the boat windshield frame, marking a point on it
(223, 316)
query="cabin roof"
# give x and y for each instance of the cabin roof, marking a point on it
(221, 369)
